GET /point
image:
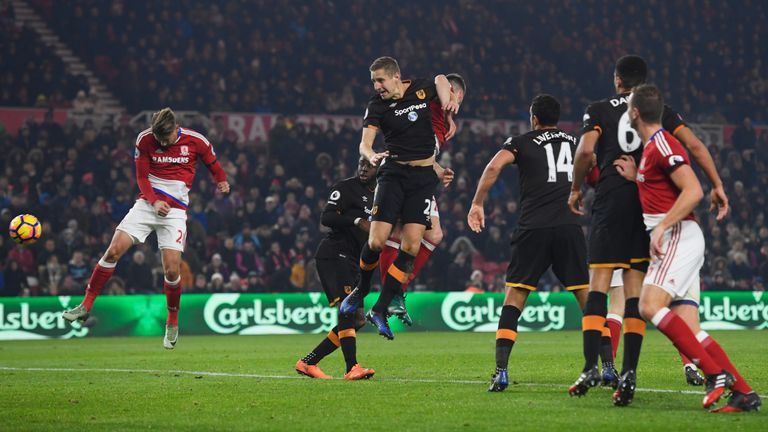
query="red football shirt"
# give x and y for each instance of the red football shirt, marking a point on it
(662, 154)
(167, 173)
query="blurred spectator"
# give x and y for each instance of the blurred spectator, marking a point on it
(139, 278)
(77, 268)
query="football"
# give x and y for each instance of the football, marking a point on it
(25, 229)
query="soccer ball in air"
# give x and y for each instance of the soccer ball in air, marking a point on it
(25, 229)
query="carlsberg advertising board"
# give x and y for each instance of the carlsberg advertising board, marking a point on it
(259, 314)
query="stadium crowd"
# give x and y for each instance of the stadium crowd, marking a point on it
(284, 57)
(31, 73)
(80, 182)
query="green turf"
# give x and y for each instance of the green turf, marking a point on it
(542, 365)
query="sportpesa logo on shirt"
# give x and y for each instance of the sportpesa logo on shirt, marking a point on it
(407, 110)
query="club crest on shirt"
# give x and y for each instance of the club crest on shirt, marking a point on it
(421, 94)
(184, 150)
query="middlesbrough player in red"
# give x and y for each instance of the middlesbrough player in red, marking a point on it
(669, 192)
(445, 128)
(166, 157)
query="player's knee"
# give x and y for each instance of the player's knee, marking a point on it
(648, 310)
(112, 255)
(172, 274)
(410, 248)
(376, 244)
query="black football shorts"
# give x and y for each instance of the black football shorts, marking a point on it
(338, 277)
(618, 238)
(404, 193)
(534, 250)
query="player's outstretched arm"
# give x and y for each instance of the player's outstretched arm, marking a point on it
(366, 147)
(718, 198)
(451, 126)
(581, 165)
(476, 215)
(443, 87)
(690, 194)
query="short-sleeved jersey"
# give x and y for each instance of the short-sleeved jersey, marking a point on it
(172, 168)
(610, 119)
(545, 160)
(406, 123)
(661, 156)
(349, 199)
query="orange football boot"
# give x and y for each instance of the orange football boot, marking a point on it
(358, 372)
(312, 371)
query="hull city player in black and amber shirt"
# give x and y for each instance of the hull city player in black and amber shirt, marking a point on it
(445, 129)
(548, 234)
(618, 239)
(407, 176)
(346, 214)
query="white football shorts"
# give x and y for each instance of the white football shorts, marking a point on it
(677, 272)
(142, 219)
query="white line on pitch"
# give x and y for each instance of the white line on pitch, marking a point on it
(258, 376)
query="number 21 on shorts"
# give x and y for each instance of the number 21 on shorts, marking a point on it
(182, 238)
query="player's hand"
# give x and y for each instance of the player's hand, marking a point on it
(364, 224)
(657, 237)
(451, 127)
(625, 165)
(719, 201)
(476, 218)
(574, 202)
(162, 208)
(451, 107)
(223, 187)
(378, 157)
(447, 176)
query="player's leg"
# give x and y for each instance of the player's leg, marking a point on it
(529, 259)
(670, 279)
(592, 325)
(690, 370)
(104, 269)
(329, 271)
(348, 326)
(171, 237)
(389, 252)
(615, 316)
(744, 397)
(506, 335)
(369, 260)
(134, 228)
(432, 238)
(417, 185)
(387, 204)
(397, 274)
(654, 303)
(172, 288)
(634, 325)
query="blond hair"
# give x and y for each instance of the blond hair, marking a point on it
(163, 122)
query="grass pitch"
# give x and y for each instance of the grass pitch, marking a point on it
(424, 381)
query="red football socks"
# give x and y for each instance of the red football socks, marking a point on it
(101, 274)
